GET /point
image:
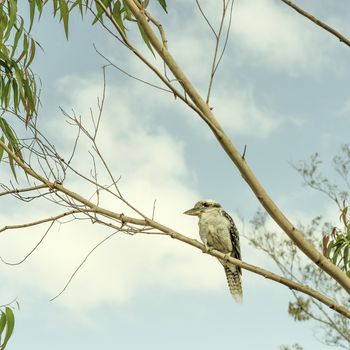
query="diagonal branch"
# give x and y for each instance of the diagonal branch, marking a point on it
(149, 223)
(321, 24)
(206, 114)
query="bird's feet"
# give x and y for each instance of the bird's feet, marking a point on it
(227, 257)
(207, 249)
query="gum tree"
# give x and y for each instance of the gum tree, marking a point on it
(41, 172)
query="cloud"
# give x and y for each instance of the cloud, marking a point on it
(277, 36)
(240, 113)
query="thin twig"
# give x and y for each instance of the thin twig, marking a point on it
(39, 222)
(81, 264)
(110, 63)
(31, 251)
(21, 190)
(206, 18)
(216, 61)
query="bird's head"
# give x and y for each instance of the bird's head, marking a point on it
(203, 206)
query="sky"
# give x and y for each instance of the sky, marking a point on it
(281, 89)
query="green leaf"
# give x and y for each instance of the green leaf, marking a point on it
(336, 253)
(31, 14)
(12, 17)
(17, 37)
(10, 325)
(32, 53)
(55, 7)
(78, 3)
(11, 137)
(128, 14)
(2, 322)
(99, 14)
(163, 4)
(117, 15)
(3, 23)
(25, 45)
(18, 75)
(39, 5)
(64, 15)
(12, 164)
(6, 94)
(15, 95)
(346, 258)
(145, 39)
(1, 155)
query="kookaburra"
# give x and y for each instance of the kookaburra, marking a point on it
(217, 230)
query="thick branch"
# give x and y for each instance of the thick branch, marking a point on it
(267, 202)
(321, 24)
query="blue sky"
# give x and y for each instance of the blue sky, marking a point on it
(282, 90)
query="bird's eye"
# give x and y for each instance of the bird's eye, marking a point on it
(205, 204)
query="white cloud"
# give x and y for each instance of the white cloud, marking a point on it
(278, 36)
(240, 113)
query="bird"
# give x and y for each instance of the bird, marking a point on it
(218, 231)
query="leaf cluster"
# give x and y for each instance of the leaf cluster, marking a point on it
(116, 11)
(18, 89)
(337, 244)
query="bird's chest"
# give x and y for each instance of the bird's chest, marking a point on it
(214, 231)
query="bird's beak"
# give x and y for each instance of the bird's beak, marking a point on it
(193, 212)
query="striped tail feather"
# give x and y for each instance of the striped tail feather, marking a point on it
(234, 283)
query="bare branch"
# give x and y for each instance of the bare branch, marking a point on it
(321, 24)
(42, 221)
(206, 18)
(90, 207)
(216, 60)
(110, 63)
(22, 190)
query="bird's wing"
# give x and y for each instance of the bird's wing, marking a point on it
(234, 234)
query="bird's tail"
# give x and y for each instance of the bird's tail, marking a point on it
(234, 282)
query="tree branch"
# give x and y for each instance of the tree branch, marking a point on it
(248, 175)
(42, 221)
(146, 222)
(21, 190)
(321, 24)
